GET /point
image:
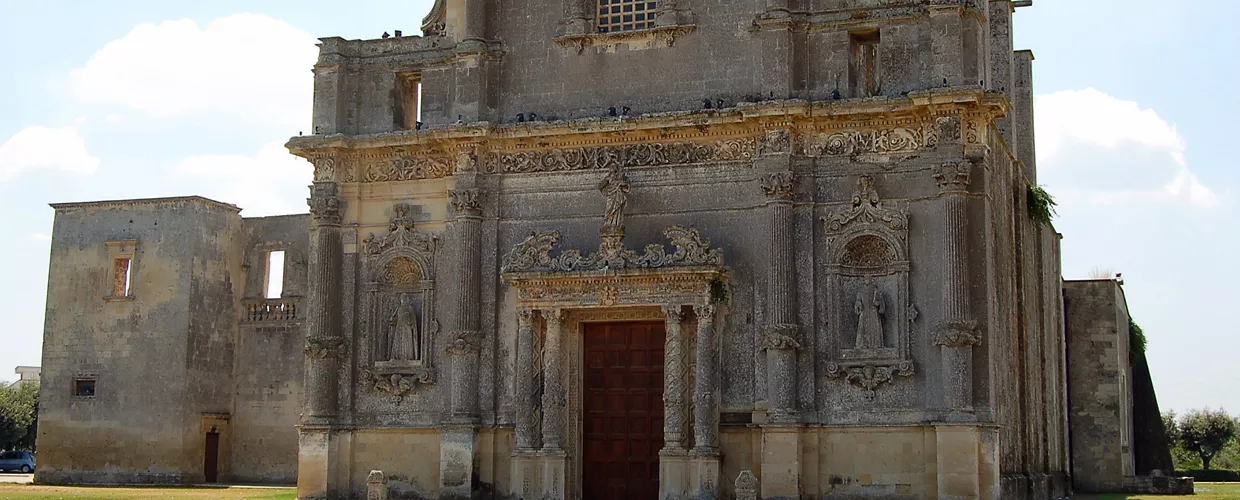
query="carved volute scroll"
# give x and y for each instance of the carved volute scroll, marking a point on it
(400, 307)
(867, 289)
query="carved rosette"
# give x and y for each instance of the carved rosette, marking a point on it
(326, 210)
(324, 347)
(780, 337)
(778, 141)
(953, 176)
(963, 333)
(464, 342)
(466, 201)
(778, 185)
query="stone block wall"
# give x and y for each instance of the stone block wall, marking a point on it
(1099, 382)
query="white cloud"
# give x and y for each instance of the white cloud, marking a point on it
(244, 65)
(45, 148)
(272, 182)
(1106, 150)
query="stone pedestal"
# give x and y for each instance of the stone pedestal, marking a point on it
(526, 476)
(313, 457)
(456, 462)
(376, 486)
(967, 461)
(674, 481)
(553, 476)
(781, 462)
(703, 476)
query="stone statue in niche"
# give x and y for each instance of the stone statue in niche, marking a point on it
(870, 309)
(406, 337)
(615, 188)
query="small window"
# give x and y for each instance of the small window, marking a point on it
(274, 283)
(120, 277)
(863, 79)
(625, 15)
(84, 387)
(121, 255)
(409, 109)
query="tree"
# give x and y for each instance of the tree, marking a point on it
(1206, 432)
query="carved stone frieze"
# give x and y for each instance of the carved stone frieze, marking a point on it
(324, 168)
(778, 185)
(406, 167)
(396, 385)
(467, 158)
(533, 254)
(888, 140)
(326, 210)
(607, 288)
(958, 334)
(780, 337)
(465, 200)
(953, 176)
(778, 141)
(324, 347)
(626, 155)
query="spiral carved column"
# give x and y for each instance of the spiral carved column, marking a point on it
(781, 332)
(705, 430)
(959, 333)
(324, 345)
(526, 419)
(673, 381)
(553, 399)
(466, 342)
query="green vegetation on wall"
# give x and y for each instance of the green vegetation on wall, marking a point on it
(1041, 205)
(1136, 337)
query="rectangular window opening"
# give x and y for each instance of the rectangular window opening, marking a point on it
(863, 79)
(84, 387)
(625, 15)
(409, 110)
(120, 277)
(274, 282)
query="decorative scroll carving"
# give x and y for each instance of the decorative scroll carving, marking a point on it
(326, 210)
(467, 158)
(324, 347)
(953, 176)
(892, 140)
(465, 200)
(867, 209)
(628, 155)
(465, 342)
(963, 333)
(778, 185)
(434, 22)
(780, 337)
(407, 168)
(397, 385)
(401, 271)
(868, 289)
(324, 168)
(775, 142)
(401, 233)
(533, 254)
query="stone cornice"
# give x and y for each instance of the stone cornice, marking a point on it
(146, 201)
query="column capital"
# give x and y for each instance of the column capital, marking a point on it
(780, 337)
(959, 333)
(552, 314)
(466, 202)
(463, 343)
(674, 312)
(325, 205)
(953, 177)
(778, 185)
(705, 311)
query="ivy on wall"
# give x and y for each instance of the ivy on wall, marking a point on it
(1041, 205)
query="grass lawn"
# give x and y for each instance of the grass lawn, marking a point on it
(1219, 491)
(31, 492)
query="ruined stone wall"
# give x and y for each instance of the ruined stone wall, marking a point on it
(155, 359)
(1099, 391)
(269, 361)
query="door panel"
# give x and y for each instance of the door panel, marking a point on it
(623, 408)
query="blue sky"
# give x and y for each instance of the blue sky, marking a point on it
(140, 98)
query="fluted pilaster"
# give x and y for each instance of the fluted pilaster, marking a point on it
(527, 423)
(959, 332)
(466, 343)
(553, 398)
(781, 332)
(706, 384)
(324, 345)
(673, 381)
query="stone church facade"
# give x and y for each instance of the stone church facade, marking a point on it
(599, 249)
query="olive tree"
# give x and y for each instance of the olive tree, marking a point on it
(1206, 432)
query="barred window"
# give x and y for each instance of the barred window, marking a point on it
(625, 15)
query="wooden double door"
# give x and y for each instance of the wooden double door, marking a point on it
(623, 409)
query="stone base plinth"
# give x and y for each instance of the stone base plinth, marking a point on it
(538, 475)
(674, 474)
(704, 476)
(456, 463)
(313, 459)
(781, 462)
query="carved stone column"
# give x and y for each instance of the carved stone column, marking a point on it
(673, 381)
(324, 345)
(466, 341)
(527, 424)
(705, 429)
(959, 332)
(579, 18)
(553, 398)
(780, 333)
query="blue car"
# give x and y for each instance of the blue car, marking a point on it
(22, 461)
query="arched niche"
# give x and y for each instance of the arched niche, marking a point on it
(868, 301)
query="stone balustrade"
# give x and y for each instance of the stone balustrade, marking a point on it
(270, 310)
